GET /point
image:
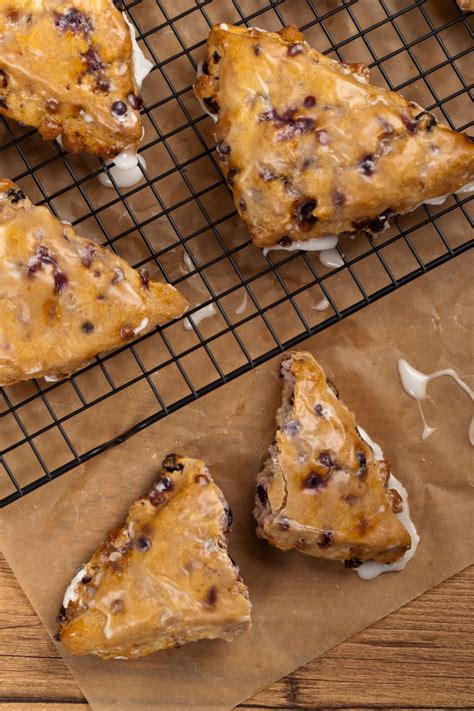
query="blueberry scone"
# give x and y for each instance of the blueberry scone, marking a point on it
(64, 299)
(66, 68)
(323, 489)
(311, 149)
(162, 579)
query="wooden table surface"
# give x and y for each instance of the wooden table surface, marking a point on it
(419, 657)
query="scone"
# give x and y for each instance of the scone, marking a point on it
(466, 5)
(64, 299)
(163, 578)
(322, 490)
(310, 149)
(66, 69)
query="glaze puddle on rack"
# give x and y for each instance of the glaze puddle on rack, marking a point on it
(321, 305)
(126, 171)
(199, 315)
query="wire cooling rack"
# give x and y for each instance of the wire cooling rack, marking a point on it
(180, 223)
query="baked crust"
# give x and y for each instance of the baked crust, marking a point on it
(310, 148)
(164, 577)
(64, 299)
(466, 5)
(66, 69)
(322, 491)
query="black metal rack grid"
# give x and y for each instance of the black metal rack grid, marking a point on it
(181, 210)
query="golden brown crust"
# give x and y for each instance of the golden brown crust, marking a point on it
(323, 491)
(164, 577)
(64, 299)
(466, 5)
(310, 149)
(66, 69)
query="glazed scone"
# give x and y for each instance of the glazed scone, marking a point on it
(66, 68)
(163, 578)
(310, 149)
(322, 490)
(64, 299)
(466, 5)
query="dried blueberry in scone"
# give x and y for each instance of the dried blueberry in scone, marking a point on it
(163, 578)
(324, 489)
(63, 298)
(312, 148)
(67, 69)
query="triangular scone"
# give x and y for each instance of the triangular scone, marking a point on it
(67, 70)
(64, 299)
(322, 490)
(310, 149)
(163, 578)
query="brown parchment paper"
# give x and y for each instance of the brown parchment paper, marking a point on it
(302, 606)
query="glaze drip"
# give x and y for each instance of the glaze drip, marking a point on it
(415, 384)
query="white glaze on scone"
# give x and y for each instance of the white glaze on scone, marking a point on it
(126, 170)
(323, 490)
(164, 577)
(68, 70)
(310, 148)
(371, 569)
(63, 298)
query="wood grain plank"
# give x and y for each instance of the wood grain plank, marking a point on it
(421, 656)
(30, 666)
(42, 704)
